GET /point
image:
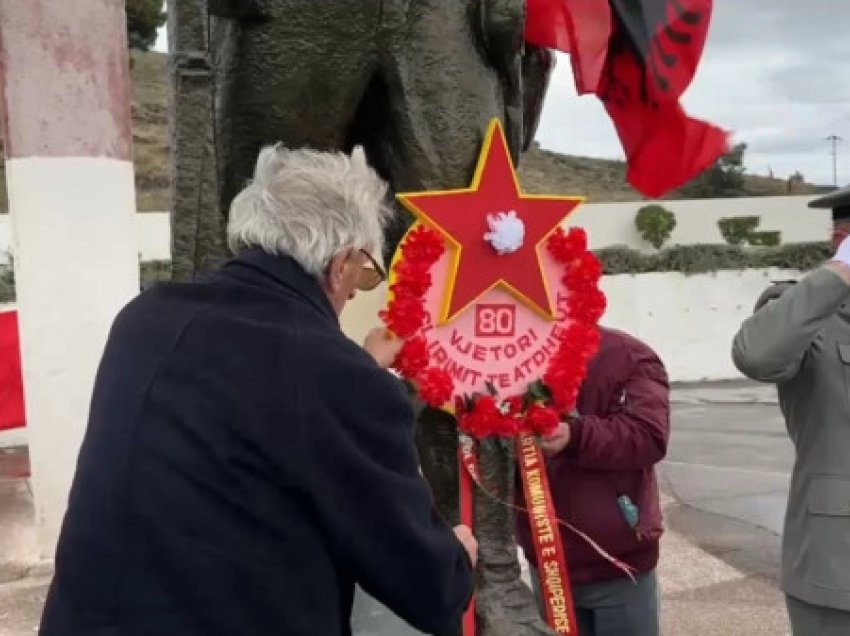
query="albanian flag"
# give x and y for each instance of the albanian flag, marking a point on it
(11, 384)
(638, 57)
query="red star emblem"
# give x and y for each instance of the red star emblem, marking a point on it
(461, 217)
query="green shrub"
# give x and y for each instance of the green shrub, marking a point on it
(655, 224)
(764, 239)
(736, 230)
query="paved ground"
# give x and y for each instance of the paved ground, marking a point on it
(727, 474)
(724, 484)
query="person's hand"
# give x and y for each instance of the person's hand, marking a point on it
(841, 260)
(557, 441)
(464, 535)
(383, 346)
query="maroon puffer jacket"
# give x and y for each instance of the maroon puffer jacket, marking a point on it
(621, 434)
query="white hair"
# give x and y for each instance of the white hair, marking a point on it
(310, 205)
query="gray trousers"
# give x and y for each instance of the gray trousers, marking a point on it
(613, 608)
(816, 620)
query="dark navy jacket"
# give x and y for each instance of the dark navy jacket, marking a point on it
(244, 465)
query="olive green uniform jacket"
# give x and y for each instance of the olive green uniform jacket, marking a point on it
(801, 342)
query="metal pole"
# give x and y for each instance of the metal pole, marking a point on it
(66, 119)
(834, 139)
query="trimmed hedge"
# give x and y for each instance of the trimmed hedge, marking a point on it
(7, 284)
(687, 259)
(703, 259)
(737, 229)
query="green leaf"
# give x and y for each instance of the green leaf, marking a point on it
(538, 391)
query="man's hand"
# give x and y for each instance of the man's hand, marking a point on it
(383, 346)
(464, 535)
(841, 261)
(557, 441)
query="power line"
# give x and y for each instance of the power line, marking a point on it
(834, 139)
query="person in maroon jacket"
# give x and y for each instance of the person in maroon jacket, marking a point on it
(601, 467)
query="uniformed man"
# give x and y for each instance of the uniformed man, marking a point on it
(799, 339)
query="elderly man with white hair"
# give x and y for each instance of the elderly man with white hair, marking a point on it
(245, 464)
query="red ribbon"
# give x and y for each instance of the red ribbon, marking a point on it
(468, 467)
(529, 459)
(551, 559)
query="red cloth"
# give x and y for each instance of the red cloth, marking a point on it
(624, 426)
(11, 381)
(638, 57)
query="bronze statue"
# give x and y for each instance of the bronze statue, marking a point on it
(413, 81)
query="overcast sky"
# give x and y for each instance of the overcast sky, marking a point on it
(775, 72)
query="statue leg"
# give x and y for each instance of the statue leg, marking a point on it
(442, 94)
(506, 606)
(295, 76)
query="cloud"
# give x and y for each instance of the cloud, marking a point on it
(773, 71)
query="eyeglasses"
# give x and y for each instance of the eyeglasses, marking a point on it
(371, 275)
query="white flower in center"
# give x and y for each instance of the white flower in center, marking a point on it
(507, 232)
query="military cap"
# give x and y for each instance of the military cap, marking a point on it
(838, 201)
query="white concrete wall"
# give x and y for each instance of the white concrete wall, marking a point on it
(607, 224)
(690, 321)
(153, 236)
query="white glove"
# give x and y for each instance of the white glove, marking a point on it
(843, 253)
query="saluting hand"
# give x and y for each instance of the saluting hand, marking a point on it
(841, 260)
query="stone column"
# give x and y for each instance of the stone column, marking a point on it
(197, 224)
(66, 119)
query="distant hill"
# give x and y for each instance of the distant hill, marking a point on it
(541, 171)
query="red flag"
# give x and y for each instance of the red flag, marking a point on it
(639, 56)
(546, 24)
(580, 27)
(654, 53)
(11, 383)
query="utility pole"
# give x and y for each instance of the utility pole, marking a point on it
(834, 139)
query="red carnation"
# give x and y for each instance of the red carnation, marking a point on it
(507, 426)
(404, 317)
(413, 278)
(584, 273)
(568, 246)
(423, 245)
(515, 404)
(542, 420)
(564, 394)
(435, 387)
(413, 357)
(483, 419)
(587, 307)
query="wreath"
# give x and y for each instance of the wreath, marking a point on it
(539, 409)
